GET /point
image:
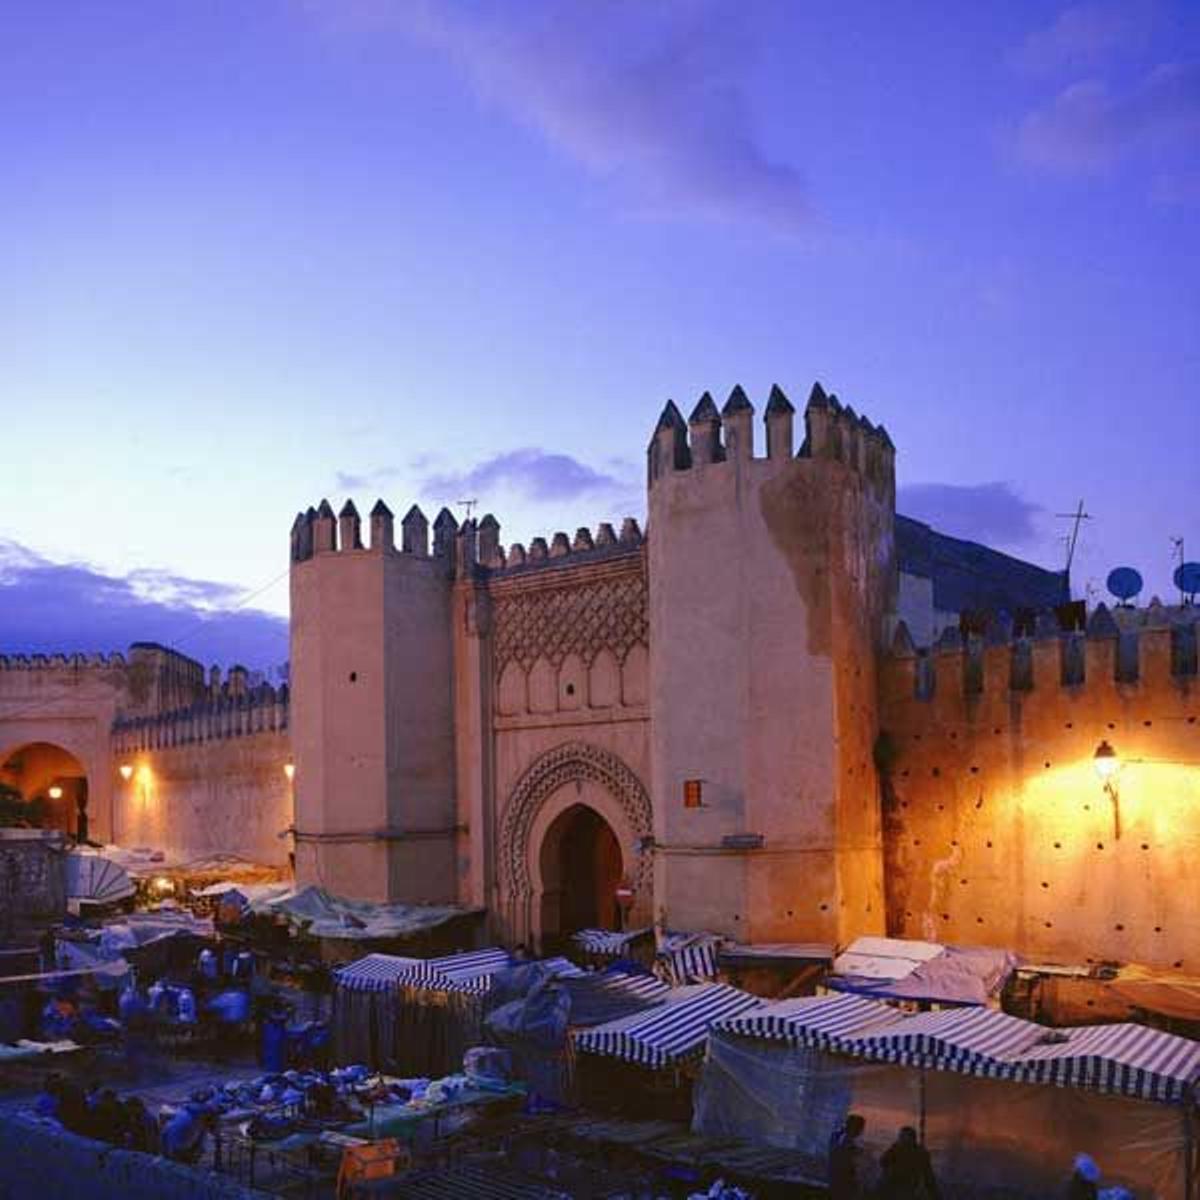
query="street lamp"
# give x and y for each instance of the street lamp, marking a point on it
(1108, 765)
(1106, 761)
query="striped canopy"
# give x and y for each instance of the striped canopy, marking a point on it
(470, 972)
(671, 1032)
(811, 1020)
(376, 972)
(688, 958)
(977, 1041)
(606, 943)
(1128, 1059)
(599, 998)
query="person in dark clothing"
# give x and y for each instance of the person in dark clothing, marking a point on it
(1085, 1179)
(108, 1118)
(141, 1131)
(73, 1109)
(907, 1170)
(845, 1153)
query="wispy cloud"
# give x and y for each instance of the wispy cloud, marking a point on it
(536, 474)
(993, 513)
(649, 97)
(1083, 35)
(1088, 126)
(349, 481)
(50, 607)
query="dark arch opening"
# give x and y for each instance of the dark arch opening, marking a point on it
(581, 871)
(52, 784)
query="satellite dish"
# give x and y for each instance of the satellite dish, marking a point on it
(1187, 578)
(1124, 583)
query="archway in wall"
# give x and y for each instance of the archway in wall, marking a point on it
(51, 780)
(540, 825)
(581, 870)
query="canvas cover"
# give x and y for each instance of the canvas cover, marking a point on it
(987, 1137)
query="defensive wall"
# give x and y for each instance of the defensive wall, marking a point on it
(209, 779)
(454, 700)
(70, 703)
(999, 829)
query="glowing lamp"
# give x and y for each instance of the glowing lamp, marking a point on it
(55, 793)
(289, 769)
(1106, 761)
(126, 772)
(163, 885)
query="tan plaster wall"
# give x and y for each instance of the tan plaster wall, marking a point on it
(519, 743)
(768, 582)
(71, 707)
(999, 830)
(372, 724)
(221, 796)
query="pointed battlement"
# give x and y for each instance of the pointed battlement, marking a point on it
(562, 550)
(235, 710)
(1148, 648)
(833, 433)
(57, 662)
(317, 531)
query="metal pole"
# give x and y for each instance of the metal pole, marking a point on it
(922, 1115)
(1189, 1149)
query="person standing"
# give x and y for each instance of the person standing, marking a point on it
(907, 1169)
(846, 1160)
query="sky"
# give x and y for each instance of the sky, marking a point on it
(254, 255)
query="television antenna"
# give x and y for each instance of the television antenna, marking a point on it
(1072, 539)
(468, 507)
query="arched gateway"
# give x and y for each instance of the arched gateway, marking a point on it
(572, 831)
(52, 780)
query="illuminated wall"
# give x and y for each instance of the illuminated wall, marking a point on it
(999, 829)
(207, 782)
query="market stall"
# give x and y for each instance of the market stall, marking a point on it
(648, 1060)
(1001, 1103)
(412, 1016)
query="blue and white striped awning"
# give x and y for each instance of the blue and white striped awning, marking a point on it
(606, 943)
(688, 958)
(975, 1041)
(598, 998)
(670, 1033)
(811, 1021)
(376, 972)
(470, 972)
(1130, 1060)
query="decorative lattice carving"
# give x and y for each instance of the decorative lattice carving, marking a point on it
(569, 763)
(583, 618)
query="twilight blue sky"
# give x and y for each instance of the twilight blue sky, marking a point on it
(254, 254)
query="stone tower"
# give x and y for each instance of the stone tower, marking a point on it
(769, 580)
(372, 717)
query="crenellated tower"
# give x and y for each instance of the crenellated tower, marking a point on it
(770, 578)
(372, 719)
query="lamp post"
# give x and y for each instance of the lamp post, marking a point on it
(1107, 763)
